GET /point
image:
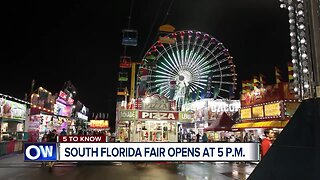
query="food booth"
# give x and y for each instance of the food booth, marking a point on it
(155, 121)
(266, 108)
(210, 117)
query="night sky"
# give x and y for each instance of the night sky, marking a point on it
(56, 41)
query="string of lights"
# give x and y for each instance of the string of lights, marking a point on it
(14, 98)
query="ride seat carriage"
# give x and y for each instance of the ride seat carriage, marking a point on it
(129, 37)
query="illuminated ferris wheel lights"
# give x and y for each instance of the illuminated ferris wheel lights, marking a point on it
(189, 62)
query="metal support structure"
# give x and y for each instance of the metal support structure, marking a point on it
(305, 46)
(314, 19)
(133, 80)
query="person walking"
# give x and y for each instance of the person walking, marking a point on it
(198, 137)
(63, 132)
(266, 142)
(53, 136)
(204, 138)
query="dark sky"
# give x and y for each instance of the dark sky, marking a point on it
(56, 41)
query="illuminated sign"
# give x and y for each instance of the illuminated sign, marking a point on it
(128, 115)
(245, 113)
(82, 116)
(99, 124)
(12, 110)
(63, 98)
(257, 111)
(158, 115)
(213, 105)
(273, 109)
(291, 108)
(185, 116)
(62, 110)
(156, 102)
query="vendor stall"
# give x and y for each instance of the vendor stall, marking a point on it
(12, 118)
(265, 108)
(154, 122)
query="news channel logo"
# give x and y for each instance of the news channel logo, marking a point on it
(40, 152)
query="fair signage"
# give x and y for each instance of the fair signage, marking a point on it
(156, 115)
(245, 113)
(291, 108)
(99, 124)
(224, 106)
(185, 116)
(82, 116)
(12, 110)
(128, 115)
(273, 109)
(156, 102)
(257, 112)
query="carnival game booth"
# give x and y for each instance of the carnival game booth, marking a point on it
(48, 112)
(155, 121)
(266, 108)
(42, 103)
(12, 119)
(63, 108)
(208, 112)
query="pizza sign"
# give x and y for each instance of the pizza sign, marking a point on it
(159, 115)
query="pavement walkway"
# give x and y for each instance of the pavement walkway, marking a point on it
(13, 167)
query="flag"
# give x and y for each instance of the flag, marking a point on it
(278, 75)
(262, 79)
(255, 81)
(246, 86)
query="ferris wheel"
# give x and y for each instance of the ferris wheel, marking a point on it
(187, 65)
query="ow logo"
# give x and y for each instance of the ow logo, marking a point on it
(40, 152)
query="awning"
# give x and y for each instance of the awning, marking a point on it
(261, 124)
(224, 123)
(11, 120)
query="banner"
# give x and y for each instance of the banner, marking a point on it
(142, 152)
(273, 109)
(257, 112)
(99, 124)
(128, 115)
(12, 110)
(155, 115)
